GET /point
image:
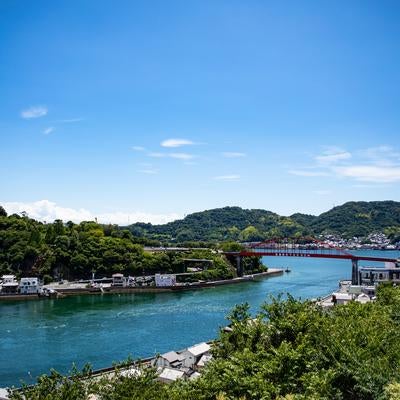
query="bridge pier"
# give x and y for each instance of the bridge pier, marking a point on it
(239, 266)
(355, 277)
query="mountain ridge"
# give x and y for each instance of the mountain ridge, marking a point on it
(354, 218)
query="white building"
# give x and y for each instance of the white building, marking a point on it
(193, 354)
(342, 298)
(163, 280)
(30, 286)
(170, 359)
(363, 298)
(169, 375)
(205, 359)
(374, 275)
(9, 285)
(118, 280)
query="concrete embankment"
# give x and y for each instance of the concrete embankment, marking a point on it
(74, 290)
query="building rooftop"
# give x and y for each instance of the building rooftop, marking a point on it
(342, 296)
(199, 349)
(171, 374)
(172, 356)
(205, 358)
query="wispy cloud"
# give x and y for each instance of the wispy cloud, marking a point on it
(227, 178)
(34, 112)
(300, 172)
(173, 143)
(333, 156)
(48, 130)
(379, 164)
(178, 156)
(381, 155)
(69, 121)
(138, 148)
(149, 171)
(156, 155)
(322, 192)
(182, 156)
(45, 210)
(232, 154)
(370, 173)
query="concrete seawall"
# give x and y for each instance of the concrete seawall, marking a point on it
(149, 289)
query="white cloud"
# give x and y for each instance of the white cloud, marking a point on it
(45, 210)
(370, 173)
(138, 148)
(48, 130)
(381, 155)
(232, 154)
(69, 121)
(182, 156)
(322, 192)
(34, 112)
(299, 172)
(176, 143)
(156, 155)
(379, 164)
(149, 171)
(330, 157)
(179, 156)
(227, 177)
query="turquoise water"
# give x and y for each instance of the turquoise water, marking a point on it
(38, 335)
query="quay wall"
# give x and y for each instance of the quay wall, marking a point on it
(149, 289)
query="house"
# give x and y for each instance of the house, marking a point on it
(9, 285)
(169, 375)
(204, 359)
(170, 359)
(30, 286)
(373, 275)
(194, 376)
(363, 298)
(193, 354)
(3, 394)
(118, 280)
(163, 280)
(341, 298)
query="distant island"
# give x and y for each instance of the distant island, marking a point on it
(65, 250)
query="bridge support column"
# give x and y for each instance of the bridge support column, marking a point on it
(355, 278)
(239, 266)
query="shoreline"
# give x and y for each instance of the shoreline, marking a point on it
(65, 292)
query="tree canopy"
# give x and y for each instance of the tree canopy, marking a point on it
(289, 350)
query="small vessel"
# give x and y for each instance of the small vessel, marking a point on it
(287, 270)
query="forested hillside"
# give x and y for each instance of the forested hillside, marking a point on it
(234, 223)
(73, 251)
(358, 218)
(68, 250)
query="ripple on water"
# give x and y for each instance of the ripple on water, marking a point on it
(37, 336)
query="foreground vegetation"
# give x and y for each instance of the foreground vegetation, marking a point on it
(291, 350)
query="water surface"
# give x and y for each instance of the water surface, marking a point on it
(38, 335)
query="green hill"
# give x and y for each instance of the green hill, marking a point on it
(228, 223)
(234, 223)
(358, 218)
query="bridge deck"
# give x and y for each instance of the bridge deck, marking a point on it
(307, 254)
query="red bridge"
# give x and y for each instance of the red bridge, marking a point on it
(315, 249)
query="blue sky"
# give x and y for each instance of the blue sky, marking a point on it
(149, 110)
